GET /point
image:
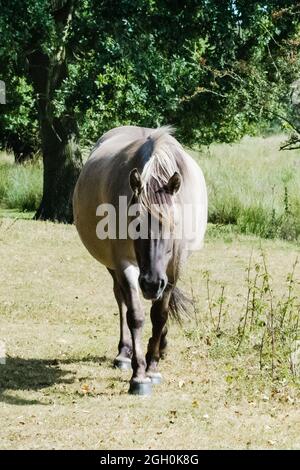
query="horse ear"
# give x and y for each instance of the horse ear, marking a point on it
(173, 184)
(135, 181)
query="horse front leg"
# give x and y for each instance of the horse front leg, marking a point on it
(157, 342)
(140, 384)
(123, 359)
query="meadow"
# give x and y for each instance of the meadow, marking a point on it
(232, 374)
(59, 324)
(252, 185)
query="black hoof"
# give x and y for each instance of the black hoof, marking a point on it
(155, 377)
(137, 388)
(123, 363)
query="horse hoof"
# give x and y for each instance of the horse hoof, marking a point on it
(122, 363)
(140, 388)
(155, 377)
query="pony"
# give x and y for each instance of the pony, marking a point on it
(140, 208)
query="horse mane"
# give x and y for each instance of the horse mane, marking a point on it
(159, 153)
(162, 156)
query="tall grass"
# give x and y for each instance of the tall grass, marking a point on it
(251, 185)
(254, 186)
(20, 185)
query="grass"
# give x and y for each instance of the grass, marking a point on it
(15, 213)
(59, 323)
(254, 186)
(20, 185)
(267, 329)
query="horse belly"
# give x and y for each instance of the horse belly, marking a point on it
(101, 250)
(110, 251)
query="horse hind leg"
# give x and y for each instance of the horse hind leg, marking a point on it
(123, 359)
(163, 346)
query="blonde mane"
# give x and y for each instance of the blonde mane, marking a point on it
(157, 172)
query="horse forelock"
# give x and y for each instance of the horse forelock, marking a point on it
(155, 175)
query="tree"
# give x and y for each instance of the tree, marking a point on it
(61, 153)
(216, 70)
(293, 141)
(41, 51)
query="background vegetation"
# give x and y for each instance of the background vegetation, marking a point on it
(75, 68)
(252, 187)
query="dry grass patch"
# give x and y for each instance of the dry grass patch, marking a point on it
(60, 325)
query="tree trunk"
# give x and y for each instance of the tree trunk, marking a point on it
(22, 151)
(62, 164)
(61, 154)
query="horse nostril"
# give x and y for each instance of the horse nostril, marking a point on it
(150, 287)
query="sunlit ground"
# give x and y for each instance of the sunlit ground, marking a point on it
(59, 324)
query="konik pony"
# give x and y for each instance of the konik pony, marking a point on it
(150, 170)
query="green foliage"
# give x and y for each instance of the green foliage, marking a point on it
(18, 123)
(215, 70)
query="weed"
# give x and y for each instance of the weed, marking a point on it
(268, 324)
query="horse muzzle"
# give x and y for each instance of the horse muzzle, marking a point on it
(152, 289)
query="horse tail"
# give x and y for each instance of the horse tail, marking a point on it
(179, 306)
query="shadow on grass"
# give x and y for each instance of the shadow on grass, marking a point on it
(36, 374)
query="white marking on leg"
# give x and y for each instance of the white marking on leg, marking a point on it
(132, 275)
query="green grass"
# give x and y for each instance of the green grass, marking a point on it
(15, 214)
(20, 185)
(254, 186)
(59, 323)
